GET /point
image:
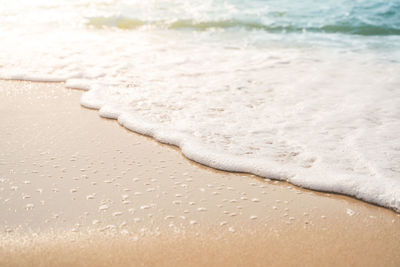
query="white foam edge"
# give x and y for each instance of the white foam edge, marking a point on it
(41, 78)
(81, 84)
(193, 150)
(196, 152)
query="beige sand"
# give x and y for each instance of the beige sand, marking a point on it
(78, 190)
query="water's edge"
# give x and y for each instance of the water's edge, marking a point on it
(208, 158)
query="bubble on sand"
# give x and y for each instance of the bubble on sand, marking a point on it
(29, 206)
(92, 196)
(124, 232)
(350, 212)
(103, 207)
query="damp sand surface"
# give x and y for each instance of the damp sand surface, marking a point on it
(79, 190)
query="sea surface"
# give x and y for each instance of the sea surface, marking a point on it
(302, 91)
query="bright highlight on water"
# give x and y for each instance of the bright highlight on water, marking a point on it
(306, 91)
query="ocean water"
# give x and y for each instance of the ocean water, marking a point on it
(302, 91)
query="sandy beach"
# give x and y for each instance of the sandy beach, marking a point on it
(80, 190)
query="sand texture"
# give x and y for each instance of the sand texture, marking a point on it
(79, 190)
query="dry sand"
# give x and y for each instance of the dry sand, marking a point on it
(78, 190)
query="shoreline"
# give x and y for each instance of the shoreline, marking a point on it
(138, 178)
(200, 163)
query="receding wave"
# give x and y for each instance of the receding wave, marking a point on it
(344, 28)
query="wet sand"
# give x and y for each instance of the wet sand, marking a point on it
(79, 190)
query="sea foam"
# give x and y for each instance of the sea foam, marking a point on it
(321, 117)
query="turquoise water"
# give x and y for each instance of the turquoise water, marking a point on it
(369, 18)
(344, 24)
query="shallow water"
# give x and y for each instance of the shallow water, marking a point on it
(305, 92)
